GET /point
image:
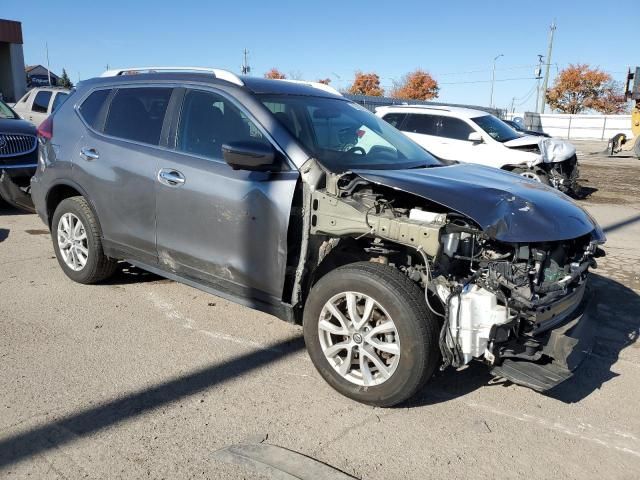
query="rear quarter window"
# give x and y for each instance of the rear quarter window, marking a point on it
(92, 106)
(41, 102)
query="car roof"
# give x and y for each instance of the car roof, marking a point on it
(50, 89)
(460, 112)
(214, 77)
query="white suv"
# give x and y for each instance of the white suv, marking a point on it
(474, 136)
(38, 103)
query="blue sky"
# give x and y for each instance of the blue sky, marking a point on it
(456, 41)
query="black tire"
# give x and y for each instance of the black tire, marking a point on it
(539, 175)
(417, 330)
(98, 266)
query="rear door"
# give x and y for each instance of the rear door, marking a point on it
(117, 160)
(225, 227)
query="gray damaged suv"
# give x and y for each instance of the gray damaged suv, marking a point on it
(287, 198)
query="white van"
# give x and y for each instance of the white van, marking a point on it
(38, 103)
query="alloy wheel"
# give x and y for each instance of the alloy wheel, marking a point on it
(72, 242)
(359, 339)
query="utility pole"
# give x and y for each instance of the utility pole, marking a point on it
(46, 45)
(493, 78)
(538, 77)
(246, 69)
(545, 84)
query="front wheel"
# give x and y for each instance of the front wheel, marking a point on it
(537, 175)
(369, 333)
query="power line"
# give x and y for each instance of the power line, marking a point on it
(486, 81)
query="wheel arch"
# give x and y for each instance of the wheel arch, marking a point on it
(61, 191)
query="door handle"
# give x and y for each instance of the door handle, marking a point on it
(89, 153)
(170, 177)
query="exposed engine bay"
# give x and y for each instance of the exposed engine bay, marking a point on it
(495, 299)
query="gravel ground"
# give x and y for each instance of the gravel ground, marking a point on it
(146, 378)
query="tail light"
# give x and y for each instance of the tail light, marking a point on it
(45, 130)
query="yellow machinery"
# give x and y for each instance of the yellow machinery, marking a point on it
(620, 142)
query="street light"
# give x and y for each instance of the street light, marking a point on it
(493, 78)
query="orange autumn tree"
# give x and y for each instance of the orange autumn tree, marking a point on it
(275, 74)
(580, 87)
(417, 85)
(366, 84)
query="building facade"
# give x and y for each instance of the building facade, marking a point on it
(13, 82)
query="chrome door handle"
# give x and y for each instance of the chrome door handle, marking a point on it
(170, 177)
(89, 153)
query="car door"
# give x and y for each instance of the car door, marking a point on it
(422, 128)
(116, 163)
(223, 227)
(454, 139)
(39, 107)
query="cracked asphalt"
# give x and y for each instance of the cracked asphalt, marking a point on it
(145, 378)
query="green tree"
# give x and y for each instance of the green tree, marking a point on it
(65, 81)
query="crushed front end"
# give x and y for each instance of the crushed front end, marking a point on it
(521, 308)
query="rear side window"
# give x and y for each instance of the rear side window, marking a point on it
(138, 113)
(92, 106)
(58, 100)
(395, 119)
(41, 102)
(208, 121)
(420, 123)
(453, 128)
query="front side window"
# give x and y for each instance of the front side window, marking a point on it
(58, 100)
(496, 128)
(208, 121)
(453, 128)
(343, 135)
(41, 102)
(137, 114)
(92, 107)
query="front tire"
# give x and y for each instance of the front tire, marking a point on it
(369, 333)
(77, 241)
(537, 175)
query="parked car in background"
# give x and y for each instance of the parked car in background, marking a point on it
(474, 136)
(18, 158)
(520, 129)
(288, 198)
(40, 102)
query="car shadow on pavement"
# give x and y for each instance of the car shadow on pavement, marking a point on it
(617, 311)
(61, 431)
(127, 274)
(4, 233)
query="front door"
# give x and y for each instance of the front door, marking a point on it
(225, 227)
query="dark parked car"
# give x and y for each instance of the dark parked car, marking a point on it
(18, 158)
(288, 198)
(520, 129)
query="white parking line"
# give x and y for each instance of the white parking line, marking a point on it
(621, 441)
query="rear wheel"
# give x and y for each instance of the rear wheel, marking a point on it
(369, 333)
(77, 241)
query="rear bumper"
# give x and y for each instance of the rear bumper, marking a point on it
(563, 349)
(15, 186)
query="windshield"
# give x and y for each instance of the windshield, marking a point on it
(345, 136)
(5, 111)
(496, 128)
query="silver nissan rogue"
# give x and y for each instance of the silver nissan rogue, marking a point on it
(288, 198)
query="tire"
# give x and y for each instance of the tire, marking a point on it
(537, 175)
(415, 332)
(93, 266)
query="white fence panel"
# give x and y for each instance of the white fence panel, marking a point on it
(597, 127)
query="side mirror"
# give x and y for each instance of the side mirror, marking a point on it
(475, 137)
(249, 155)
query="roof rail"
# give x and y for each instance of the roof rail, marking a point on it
(318, 85)
(443, 108)
(217, 72)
